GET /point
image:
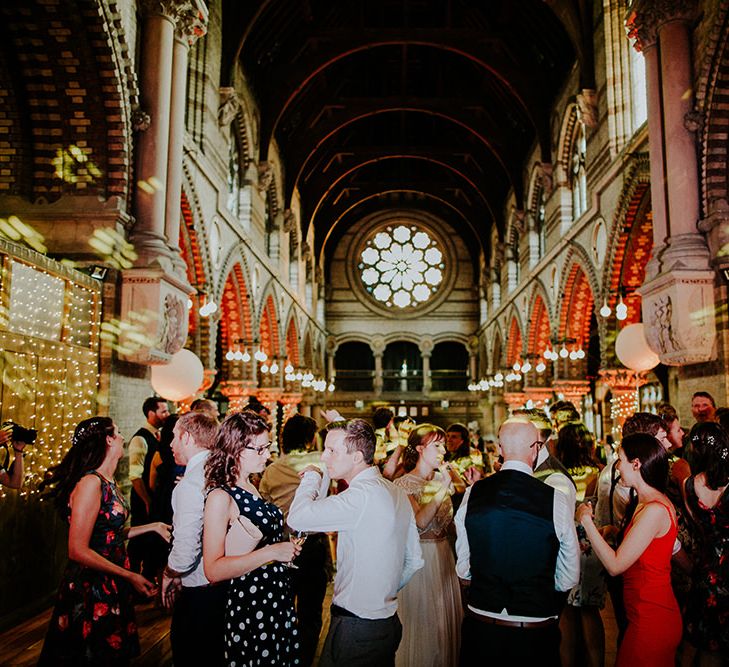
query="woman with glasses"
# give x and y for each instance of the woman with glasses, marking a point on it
(644, 555)
(707, 503)
(432, 598)
(260, 623)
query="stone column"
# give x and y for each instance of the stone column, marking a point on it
(677, 295)
(426, 348)
(158, 33)
(377, 345)
(191, 20)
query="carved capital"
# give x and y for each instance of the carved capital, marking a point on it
(228, 106)
(678, 312)
(289, 220)
(693, 121)
(647, 16)
(587, 104)
(265, 176)
(377, 345)
(426, 346)
(192, 21)
(141, 120)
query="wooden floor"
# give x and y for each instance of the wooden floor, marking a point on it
(20, 646)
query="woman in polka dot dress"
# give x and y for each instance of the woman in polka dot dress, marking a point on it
(260, 625)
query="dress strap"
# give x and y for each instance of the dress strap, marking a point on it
(667, 508)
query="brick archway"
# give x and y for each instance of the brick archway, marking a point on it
(540, 331)
(577, 307)
(514, 344)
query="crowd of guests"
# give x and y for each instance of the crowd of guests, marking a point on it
(448, 551)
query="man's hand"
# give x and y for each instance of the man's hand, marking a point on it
(311, 468)
(171, 587)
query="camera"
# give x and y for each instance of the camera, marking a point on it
(19, 433)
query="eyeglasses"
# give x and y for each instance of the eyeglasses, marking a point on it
(537, 444)
(258, 450)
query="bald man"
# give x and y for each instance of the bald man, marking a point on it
(518, 554)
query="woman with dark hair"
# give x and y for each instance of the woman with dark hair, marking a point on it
(581, 617)
(707, 504)
(93, 622)
(644, 556)
(432, 598)
(261, 624)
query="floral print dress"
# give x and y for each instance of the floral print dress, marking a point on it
(93, 622)
(707, 613)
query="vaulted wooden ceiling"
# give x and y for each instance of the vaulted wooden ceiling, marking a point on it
(425, 104)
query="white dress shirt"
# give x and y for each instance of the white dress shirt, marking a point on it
(378, 548)
(188, 505)
(567, 571)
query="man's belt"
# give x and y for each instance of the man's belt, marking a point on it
(490, 620)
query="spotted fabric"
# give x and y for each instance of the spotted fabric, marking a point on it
(260, 623)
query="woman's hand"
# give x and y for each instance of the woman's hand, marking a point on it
(142, 585)
(283, 552)
(163, 530)
(584, 512)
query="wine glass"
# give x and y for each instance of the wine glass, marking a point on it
(298, 537)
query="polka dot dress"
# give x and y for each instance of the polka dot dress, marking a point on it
(260, 622)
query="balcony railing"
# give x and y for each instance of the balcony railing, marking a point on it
(449, 380)
(356, 380)
(402, 381)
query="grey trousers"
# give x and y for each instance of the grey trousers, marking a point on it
(361, 642)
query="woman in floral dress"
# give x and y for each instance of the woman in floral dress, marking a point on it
(430, 605)
(260, 628)
(707, 613)
(93, 621)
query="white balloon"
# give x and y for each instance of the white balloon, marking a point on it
(633, 349)
(180, 378)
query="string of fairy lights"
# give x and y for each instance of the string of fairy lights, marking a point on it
(48, 362)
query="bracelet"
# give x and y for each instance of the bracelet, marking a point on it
(19, 451)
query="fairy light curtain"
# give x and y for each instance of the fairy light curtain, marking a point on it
(49, 342)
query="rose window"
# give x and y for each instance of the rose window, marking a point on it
(401, 266)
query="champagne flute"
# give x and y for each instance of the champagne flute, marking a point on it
(298, 537)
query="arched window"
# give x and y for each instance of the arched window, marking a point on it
(449, 367)
(578, 173)
(354, 366)
(401, 266)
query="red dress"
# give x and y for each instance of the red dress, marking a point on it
(654, 620)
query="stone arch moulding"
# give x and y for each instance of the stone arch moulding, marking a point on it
(190, 192)
(433, 226)
(235, 255)
(451, 337)
(565, 145)
(496, 339)
(710, 104)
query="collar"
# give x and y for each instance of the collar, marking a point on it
(200, 457)
(517, 465)
(150, 428)
(368, 473)
(543, 454)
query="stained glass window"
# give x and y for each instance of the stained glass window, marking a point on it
(401, 266)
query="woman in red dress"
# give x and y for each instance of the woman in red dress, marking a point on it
(644, 556)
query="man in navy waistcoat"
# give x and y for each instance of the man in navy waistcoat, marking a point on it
(518, 554)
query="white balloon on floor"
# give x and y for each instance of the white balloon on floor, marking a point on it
(181, 378)
(633, 350)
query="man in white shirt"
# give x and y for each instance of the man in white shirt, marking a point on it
(517, 546)
(199, 607)
(378, 549)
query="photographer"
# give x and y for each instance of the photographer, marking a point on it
(13, 476)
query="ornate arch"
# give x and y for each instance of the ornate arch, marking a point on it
(514, 341)
(577, 305)
(540, 329)
(268, 328)
(292, 340)
(631, 242)
(235, 320)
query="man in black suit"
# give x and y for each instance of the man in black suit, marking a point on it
(518, 554)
